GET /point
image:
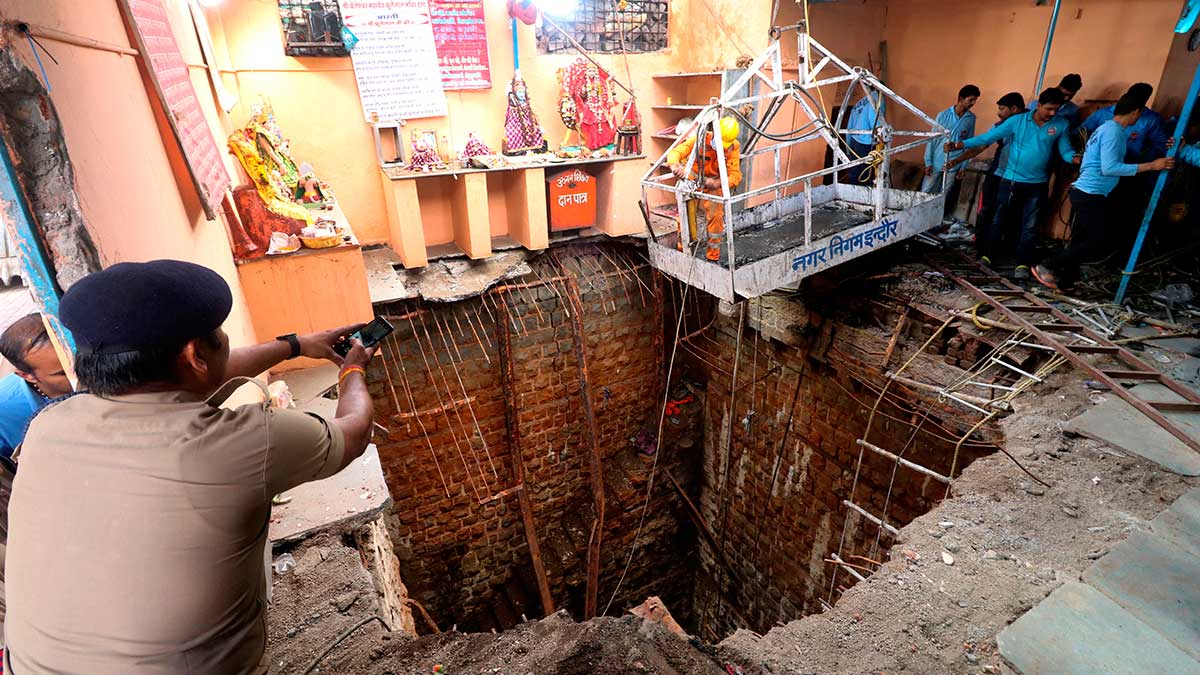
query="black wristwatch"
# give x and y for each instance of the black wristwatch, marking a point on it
(292, 340)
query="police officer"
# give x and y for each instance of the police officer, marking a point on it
(138, 519)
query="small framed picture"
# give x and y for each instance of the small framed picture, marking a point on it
(429, 137)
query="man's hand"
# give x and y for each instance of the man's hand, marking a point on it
(712, 183)
(1170, 142)
(677, 169)
(952, 146)
(1162, 164)
(929, 171)
(358, 355)
(1077, 159)
(320, 345)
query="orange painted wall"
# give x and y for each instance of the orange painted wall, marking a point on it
(936, 46)
(317, 104)
(138, 202)
(1172, 89)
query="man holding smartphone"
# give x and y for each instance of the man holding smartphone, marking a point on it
(139, 515)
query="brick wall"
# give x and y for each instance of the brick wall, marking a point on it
(773, 497)
(468, 562)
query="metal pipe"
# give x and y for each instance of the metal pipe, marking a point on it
(1041, 76)
(1188, 104)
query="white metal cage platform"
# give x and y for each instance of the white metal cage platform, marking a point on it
(787, 227)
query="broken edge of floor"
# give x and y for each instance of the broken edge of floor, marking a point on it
(1136, 611)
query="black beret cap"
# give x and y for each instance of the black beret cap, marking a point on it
(134, 306)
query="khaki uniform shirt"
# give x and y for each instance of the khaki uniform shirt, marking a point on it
(137, 532)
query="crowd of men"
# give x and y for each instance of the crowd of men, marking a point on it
(1035, 144)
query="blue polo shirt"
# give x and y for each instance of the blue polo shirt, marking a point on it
(961, 128)
(1030, 146)
(1146, 139)
(864, 116)
(1190, 154)
(1103, 160)
(1068, 111)
(18, 404)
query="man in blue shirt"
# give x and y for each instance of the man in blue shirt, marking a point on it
(1190, 154)
(1032, 139)
(960, 121)
(1010, 104)
(1103, 165)
(1146, 140)
(866, 114)
(40, 378)
(1069, 86)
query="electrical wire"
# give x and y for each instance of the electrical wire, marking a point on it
(662, 417)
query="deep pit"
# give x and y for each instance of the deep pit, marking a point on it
(746, 509)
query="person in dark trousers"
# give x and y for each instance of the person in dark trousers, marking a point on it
(1146, 140)
(1032, 139)
(960, 122)
(1103, 165)
(1010, 104)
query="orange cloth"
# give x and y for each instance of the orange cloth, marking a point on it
(709, 164)
(708, 160)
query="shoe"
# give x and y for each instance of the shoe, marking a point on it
(1021, 273)
(985, 260)
(713, 254)
(1045, 277)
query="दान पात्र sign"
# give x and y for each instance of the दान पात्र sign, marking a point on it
(395, 62)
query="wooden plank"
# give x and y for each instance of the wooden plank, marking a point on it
(595, 475)
(1073, 353)
(406, 230)
(472, 224)
(512, 425)
(1133, 374)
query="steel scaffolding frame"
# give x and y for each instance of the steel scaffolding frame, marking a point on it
(910, 212)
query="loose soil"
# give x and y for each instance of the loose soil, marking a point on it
(955, 578)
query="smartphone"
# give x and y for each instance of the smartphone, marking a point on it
(370, 335)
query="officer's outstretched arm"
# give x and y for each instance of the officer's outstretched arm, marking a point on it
(355, 409)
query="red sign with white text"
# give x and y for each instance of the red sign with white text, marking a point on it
(173, 84)
(460, 33)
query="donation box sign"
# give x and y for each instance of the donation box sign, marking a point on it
(572, 200)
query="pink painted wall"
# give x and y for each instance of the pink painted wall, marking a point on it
(138, 201)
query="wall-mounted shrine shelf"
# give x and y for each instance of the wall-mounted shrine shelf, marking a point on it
(452, 211)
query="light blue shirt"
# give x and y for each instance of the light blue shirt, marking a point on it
(863, 116)
(1068, 111)
(18, 404)
(1190, 154)
(1104, 160)
(1146, 139)
(961, 128)
(1030, 146)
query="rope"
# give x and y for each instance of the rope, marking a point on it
(662, 416)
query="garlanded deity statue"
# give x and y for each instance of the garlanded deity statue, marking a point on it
(522, 132)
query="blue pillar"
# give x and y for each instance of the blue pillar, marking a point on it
(18, 221)
(1180, 128)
